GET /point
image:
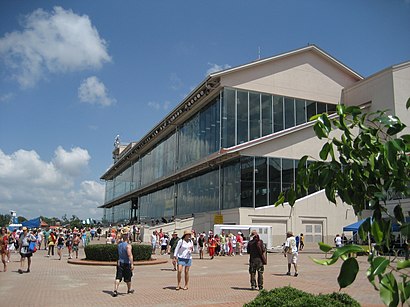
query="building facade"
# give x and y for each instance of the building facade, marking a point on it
(233, 144)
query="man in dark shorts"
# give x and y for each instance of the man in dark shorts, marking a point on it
(125, 265)
(24, 243)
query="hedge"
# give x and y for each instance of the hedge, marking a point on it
(291, 297)
(109, 252)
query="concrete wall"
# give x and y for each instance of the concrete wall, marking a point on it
(305, 75)
(314, 209)
(387, 90)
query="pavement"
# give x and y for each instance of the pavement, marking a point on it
(223, 282)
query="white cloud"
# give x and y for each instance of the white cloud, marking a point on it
(34, 187)
(59, 41)
(93, 91)
(216, 67)
(159, 106)
(71, 162)
(6, 97)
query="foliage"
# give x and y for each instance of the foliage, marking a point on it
(109, 252)
(288, 296)
(366, 167)
(4, 220)
(21, 219)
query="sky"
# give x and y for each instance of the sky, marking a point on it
(74, 74)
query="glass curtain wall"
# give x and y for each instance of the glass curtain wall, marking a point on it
(250, 115)
(200, 135)
(199, 194)
(232, 118)
(119, 213)
(231, 186)
(157, 205)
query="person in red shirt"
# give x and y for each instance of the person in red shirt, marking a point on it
(4, 241)
(212, 246)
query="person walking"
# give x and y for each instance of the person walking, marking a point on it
(76, 243)
(302, 242)
(201, 243)
(291, 252)
(51, 243)
(183, 255)
(60, 245)
(25, 239)
(173, 244)
(257, 260)
(4, 242)
(154, 241)
(125, 265)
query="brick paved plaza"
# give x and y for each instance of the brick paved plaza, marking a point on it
(223, 281)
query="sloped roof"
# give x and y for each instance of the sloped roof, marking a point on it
(309, 48)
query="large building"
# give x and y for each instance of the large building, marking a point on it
(233, 144)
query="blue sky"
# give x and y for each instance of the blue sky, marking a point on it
(74, 74)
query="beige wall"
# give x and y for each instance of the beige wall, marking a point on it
(306, 75)
(387, 90)
(292, 146)
(314, 209)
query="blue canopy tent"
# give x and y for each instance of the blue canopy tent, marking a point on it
(354, 227)
(34, 223)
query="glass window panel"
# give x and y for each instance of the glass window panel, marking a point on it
(311, 109)
(266, 114)
(228, 118)
(247, 172)
(309, 228)
(254, 116)
(242, 111)
(261, 180)
(275, 184)
(288, 173)
(331, 108)
(318, 228)
(300, 111)
(278, 113)
(321, 108)
(231, 186)
(289, 112)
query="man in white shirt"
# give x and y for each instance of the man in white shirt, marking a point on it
(291, 252)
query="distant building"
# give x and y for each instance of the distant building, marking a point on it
(234, 143)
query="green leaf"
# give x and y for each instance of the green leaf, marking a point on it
(348, 272)
(324, 247)
(325, 151)
(389, 292)
(364, 229)
(377, 231)
(379, 265)
(325, 261)
(408, 104)
(398, 213)
(404, 289)
(405, 230)
(281, 199)
(291, 196)
(403, 264)
(320, 132)
(352, 248)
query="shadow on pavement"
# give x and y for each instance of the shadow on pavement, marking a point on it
(239, 288)
(170, 288)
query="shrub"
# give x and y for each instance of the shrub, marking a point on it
(291, 297)
(109, 252)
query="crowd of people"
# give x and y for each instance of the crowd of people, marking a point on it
(26, 241)
(223, 244)
(180, 250)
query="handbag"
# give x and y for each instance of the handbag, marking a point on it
(32, 248)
